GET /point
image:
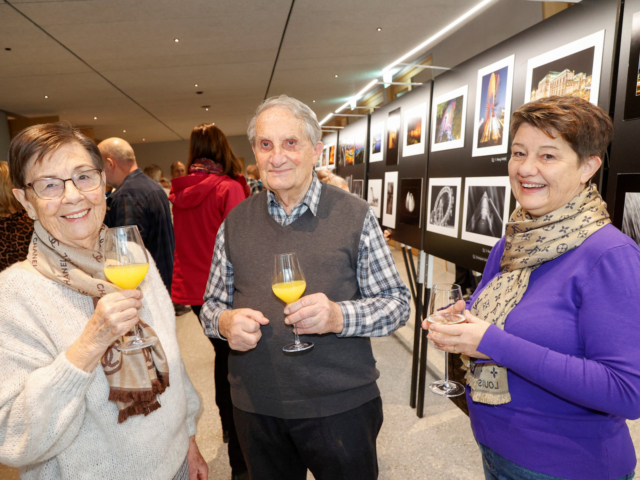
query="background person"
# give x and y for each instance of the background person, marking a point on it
(253, 179)
(139, 201)
(552, 334)
(178, 170)
(201, 202)
(59, 318)
(16, 228)
(320, 410)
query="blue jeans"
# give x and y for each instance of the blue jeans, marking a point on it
(496, 467)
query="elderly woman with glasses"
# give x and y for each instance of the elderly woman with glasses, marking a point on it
(71, 405)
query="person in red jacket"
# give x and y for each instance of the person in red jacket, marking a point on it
(201, 201)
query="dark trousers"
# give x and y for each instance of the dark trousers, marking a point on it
(223, 400)
(338, 447)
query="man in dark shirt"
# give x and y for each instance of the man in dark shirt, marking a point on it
(140, 201)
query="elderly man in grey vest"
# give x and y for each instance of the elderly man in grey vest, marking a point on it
(321, 409)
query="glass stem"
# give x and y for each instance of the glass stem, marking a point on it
(295, 335)
(446, 368)
(137, 334)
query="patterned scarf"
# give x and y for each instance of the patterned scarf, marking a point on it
(205, 165)
(135, 378)
(530, 242)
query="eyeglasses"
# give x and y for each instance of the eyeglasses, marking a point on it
(52, 188)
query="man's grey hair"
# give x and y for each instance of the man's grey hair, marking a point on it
(297, 108)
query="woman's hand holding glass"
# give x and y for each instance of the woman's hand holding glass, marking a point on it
(115, 315)
(459, 338)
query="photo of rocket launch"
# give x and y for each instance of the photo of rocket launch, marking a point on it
(492, 104)
(448, 119)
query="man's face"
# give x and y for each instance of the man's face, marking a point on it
(284, 154)
(178, 170)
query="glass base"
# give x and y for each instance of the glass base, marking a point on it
(137, 344)
(450, 389)
(297, 347)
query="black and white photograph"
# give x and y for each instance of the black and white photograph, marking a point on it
(349, 179)
(377, 141)
(357, 186)
(374, 195)
(393, 137)
(626, 210)
(573, 69)
(443, 206)
(410, 203)
(415, 126)
(632, 97)
(486, 209)
(493, 108)
(448, 120)
(390, 193)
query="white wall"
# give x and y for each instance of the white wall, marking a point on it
(164, 154)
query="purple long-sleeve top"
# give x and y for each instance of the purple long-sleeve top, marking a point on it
(572, 350)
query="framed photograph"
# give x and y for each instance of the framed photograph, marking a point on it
(443, 206)
(390, 194)
(573, 69)
(393, 136)
(349, 179)
(410, 206)
(632, 97)
(358, 152)
(414, 131)
(350, 151)
(627, 205)
(448, 122)
(358, 186)
(332, 156)
(493, 108)
(377, 136)
(486, 209)
(374, 195)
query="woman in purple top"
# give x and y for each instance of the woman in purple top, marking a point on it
(552, 341)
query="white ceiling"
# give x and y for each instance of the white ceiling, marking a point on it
(117, 60)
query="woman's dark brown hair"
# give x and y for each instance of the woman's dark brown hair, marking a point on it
(38, 141)
(587, 128)
(208, 141)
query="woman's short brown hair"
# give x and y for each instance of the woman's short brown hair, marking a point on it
(208, 141)
(587, 128)
(40, 140)
(8, 201)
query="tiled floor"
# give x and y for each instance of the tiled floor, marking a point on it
(438, 446)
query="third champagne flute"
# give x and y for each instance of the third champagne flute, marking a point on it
(441, 310)
(288, 283)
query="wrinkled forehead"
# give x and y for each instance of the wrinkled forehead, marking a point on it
(278, 124)
(60, 162)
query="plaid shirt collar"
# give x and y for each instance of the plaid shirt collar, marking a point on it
(310, 201)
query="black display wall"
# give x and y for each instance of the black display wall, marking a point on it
(352, 151)
(404, 152)
(625, 159)
(582, 20)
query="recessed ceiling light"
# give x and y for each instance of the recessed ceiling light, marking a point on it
(46, 96)
(8, 49)
(176, 40)
(95, 118)
(199, 92)
(336, 76)
(144, 139)
(124, 131)
(207, 109)
(379, 29)
(314, 101)
(196, 85)
(206, 106)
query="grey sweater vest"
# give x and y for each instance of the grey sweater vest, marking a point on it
(338, 374)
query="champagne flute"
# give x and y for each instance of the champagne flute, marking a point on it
(288, 284)
(443, 298)
(126, 264)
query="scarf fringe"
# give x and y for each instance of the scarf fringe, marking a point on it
(137, 409)
(490, 398)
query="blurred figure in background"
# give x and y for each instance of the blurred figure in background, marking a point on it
(166, 184)
(178, 170)
(253, 179)
(139, 201)
(337, 181)
(201, 202)
(323, 174)
(16, 228)
(154, 172)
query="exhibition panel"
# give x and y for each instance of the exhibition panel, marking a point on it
(329, 152)
(352, 152)
(468, 193)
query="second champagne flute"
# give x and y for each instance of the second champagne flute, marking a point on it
(288, 284)
(443, 298)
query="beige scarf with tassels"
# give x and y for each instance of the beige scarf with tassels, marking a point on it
(530, 242)
(135, 378)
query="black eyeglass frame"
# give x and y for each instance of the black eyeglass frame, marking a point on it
(64, 183)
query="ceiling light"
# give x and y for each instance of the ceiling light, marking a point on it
(196, 85)
(8, 49)
(379, 29)
(326, 118)
(199, 93)
(95, 118)
(314, 101)
(206, 109)
(432, 39)
(46, 96)
(336, 75)
(358, 95)
(124, 131)
(176, 40)
(144, 139)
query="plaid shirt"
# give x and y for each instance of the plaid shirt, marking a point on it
(384, 306)
(141, 201)
(255, 185)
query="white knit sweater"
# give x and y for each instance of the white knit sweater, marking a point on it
(55, 419)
